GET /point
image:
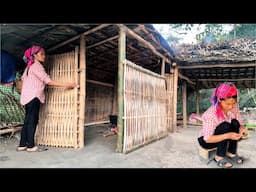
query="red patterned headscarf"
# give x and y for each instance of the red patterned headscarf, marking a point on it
(223, 91)
(29, 54)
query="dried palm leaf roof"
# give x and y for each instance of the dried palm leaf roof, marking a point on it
(235, 51)
(208, 64)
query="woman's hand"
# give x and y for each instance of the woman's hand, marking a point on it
(243, 131)
(234, 136)
(71, 85)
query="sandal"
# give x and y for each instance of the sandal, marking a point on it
(36, 149)
(223, 163)
(237, 159)
(21, 148)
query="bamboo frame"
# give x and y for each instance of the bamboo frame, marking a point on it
(58, 116)
(145, 114)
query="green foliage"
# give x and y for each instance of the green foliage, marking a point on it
(10, 109)
(246, 99)
(242, 31)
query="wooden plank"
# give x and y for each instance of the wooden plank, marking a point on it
(120, 95)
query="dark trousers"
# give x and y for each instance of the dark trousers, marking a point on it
(225, 145)
(30, 123)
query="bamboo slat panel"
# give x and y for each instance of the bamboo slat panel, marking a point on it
(98, 102)
(58, 116)
(145, 108)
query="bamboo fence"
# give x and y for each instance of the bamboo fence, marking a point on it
(99, 100)
(58, 122)
(145, 108)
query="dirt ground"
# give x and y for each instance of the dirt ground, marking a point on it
(178, 150)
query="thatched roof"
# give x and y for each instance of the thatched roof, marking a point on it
(212, 63)
(235, 51)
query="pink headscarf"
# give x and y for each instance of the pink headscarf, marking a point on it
(223, 91)
(29, 54)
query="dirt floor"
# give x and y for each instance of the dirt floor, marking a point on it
(178, 150)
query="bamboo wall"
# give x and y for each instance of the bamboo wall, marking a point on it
(145, 109)
(58, 122)
(99, 101)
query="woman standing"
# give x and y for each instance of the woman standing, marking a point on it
(32, 94)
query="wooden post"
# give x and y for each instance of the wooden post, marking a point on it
(175, 95)
(120, 96)
(169, 83)
(163, 67)
(184, 103)
(197, 100)
(82, 95)
(114, 106)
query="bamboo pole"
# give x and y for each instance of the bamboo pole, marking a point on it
(120, 103)
(82, 95)
(175, 95)
(197, 100)
(163, 67)
(78, 36)
(184, 103)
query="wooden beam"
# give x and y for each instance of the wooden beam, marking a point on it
(217, 65)
(77, 37)
(120, 95)
(242, 79)
(103, 41)
(82, 95)
(99, 83)
(144, 42)
(184, 103)
(186, 78)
